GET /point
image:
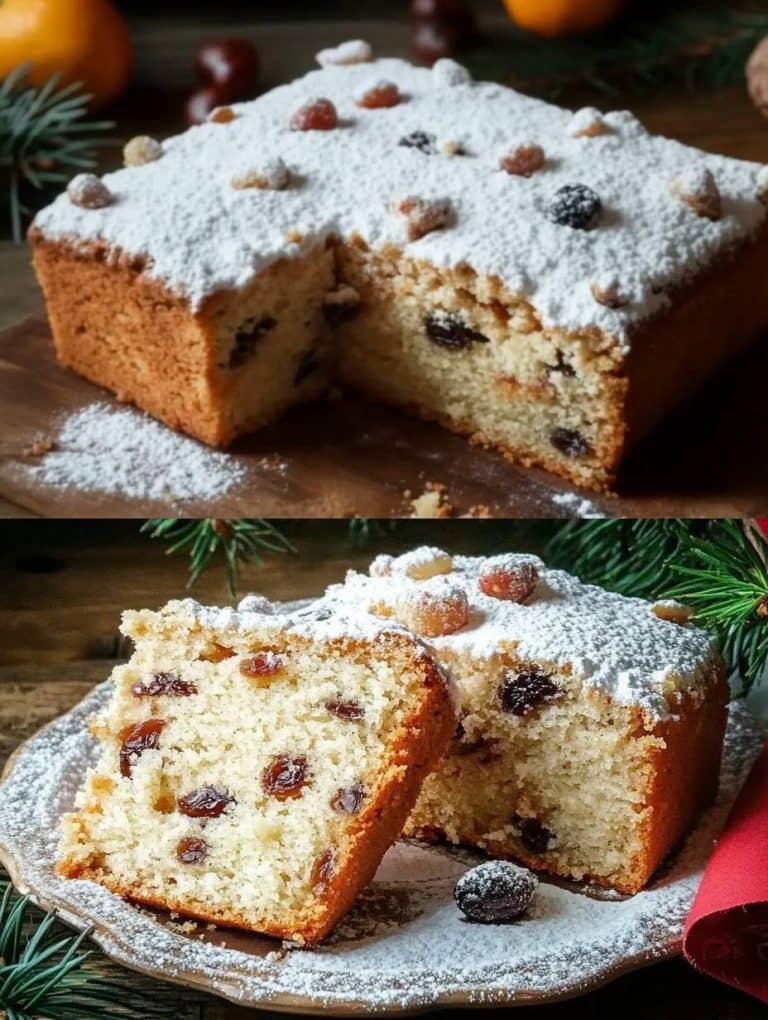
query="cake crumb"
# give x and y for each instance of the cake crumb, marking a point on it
(433, 502)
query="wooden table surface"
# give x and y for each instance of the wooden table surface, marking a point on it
(707, 461)
(62, 587)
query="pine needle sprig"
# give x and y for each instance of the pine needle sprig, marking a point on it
(44, 138)
(43, 974)
(239, 541)
(717, 567)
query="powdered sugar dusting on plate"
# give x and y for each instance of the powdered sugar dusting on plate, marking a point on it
(405, 944)
(125, 452)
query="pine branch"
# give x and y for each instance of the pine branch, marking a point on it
(362, 530)
(239, 541)
(719, 568)
(43, 138)
(43, 972)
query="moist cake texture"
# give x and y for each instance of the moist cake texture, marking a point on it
(548, 283)
(255, 767)
(590, 724)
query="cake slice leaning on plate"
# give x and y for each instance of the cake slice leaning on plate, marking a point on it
(255, 766)
(591, 724)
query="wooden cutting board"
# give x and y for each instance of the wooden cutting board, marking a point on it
(350, 458)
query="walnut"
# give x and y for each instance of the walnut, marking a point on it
(587, 123)
(607, 291)
(140, 150)
(672, 612)
(89, 192)
(757, 76)
(696, 187)
(422, 216)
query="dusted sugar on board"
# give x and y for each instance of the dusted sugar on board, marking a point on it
(255, 766)
(590, 724)
(535, 278)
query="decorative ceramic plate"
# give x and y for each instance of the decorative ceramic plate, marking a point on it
(404, 947)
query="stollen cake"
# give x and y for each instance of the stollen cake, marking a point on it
(255, 766)
(549, 283)
(591, 724)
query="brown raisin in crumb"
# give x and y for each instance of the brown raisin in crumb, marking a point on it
(514, 582)
(349, 800)
(191, 850)
(247, 338)
(533, 835)
(570, 442)
(524, 690)
(315, 115)
(205, 802)
(215, 653)
(285, 777)
(323, 870)
(447, 330)
(262, 667)
(164, 683)
(561, 365)
(349, 711)
(144, 736)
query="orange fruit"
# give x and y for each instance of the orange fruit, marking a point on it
(85, 40)
(558, 17)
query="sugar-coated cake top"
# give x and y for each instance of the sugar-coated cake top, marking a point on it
(592, 221)
(636, 651)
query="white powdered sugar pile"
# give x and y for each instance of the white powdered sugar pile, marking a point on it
(610, 642)
(404, 945)
(576, 505)
(124, 452)
(442, 143)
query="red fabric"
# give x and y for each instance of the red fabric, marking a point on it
(762, 523)
(726, 934)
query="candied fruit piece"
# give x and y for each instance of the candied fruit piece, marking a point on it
(349, 711)
(672, 611)
(164, 683)
(89, 192)
(575, 206)
(141, 150)
(354, 51)
(523, 161)
(423, 563)
(315, 115)
(379, 96)
(423, 216)
(247, 338)
(524, 690)
(420, 140)
(262, 667)
(495, 892)
(533, 835)
(696, 187)
(221, 115)
(348, 800)
(205, 802)
(215, 653)
(570, 442)
(433, 611)
(285, 777)
(267, 175)
(449, 73)
(323, 870)
(587, 123)
(192, 850)
(504, 579)
(447, 330)
(143, 736)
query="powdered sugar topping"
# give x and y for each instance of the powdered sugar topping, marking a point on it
(181, 214)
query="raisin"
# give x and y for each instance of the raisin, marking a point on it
(164, 683)
(285, 777)
(191, 850)
(533, 835)
(349, 800)
(524, 690)
(316, 115)
(205, 802)
(308, 364)
(514, 582)
(575, 206)
(570, 442)
(380, 96)
(523, 161)
(323, 870)
(261, 667)
(144, 736)
(350, 711)
(495, 892)
(247, 338)
(447, 330)
(561, 365)
(420, 140)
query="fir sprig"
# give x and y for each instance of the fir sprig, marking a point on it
(243, 540)
(717, 567)
(42, 972)
(44, 138)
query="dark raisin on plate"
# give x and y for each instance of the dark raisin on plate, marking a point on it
(420, 140)
(448, 330)
(570, 442)
(495, 893)
(575, 206)
(524, 690)
(247, 338)
(534, 836)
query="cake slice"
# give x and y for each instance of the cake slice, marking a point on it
(255, 766)
(591, 724)
(550, 284)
